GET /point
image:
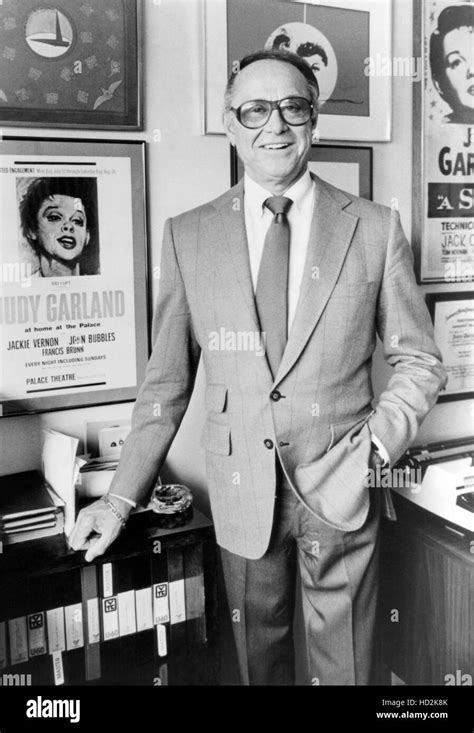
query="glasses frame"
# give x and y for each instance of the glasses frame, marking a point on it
(273, 105)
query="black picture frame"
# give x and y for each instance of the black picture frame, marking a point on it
(95, 84)
(433, 300)
(110, 303)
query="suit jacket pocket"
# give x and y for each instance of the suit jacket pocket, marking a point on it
(216, 437)
(340, 429)
(216, 397)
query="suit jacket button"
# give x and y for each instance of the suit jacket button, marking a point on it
(275, 396)
(268, 443)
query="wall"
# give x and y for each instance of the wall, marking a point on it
(185, 169)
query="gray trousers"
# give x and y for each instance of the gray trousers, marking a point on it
(339, 577)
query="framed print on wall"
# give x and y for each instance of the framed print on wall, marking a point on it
(346, 44)
(347, 167)
(73, 291)
(443, 142)
(453, 321)
(70, 63)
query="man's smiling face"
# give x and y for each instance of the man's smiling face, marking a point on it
(274, 155)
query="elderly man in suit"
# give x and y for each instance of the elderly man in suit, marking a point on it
(281, 285)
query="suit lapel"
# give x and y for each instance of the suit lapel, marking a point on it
(228, 241)
(331, 233)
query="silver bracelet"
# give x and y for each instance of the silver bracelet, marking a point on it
(125, 499)
(111, 507)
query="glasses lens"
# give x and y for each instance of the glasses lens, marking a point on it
(254, 114)
(295, 110)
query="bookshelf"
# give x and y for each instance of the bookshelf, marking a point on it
(144, 613)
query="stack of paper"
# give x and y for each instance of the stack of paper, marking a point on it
(59, 468)
(29, 509)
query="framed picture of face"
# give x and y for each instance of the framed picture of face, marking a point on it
(70, 64)
(344, 166)
(343, 42)
(73, 284)
(453, 321)
(443, 142)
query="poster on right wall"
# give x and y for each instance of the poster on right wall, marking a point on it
(443, 142)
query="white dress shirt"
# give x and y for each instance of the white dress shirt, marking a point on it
(257, 221)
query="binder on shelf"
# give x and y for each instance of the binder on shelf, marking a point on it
(127, 570)
(91, 613)
(67, 592)
(144, 597)
(135, 619)
(26, 636)
(17, 606)
(177, 600)
(107, 574)
(36, 634)
(195, 595)
(161, 609)
(109, 601)
(40, 666)
(55, 600)
(161, 614)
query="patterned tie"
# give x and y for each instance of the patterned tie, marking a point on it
(272, 282)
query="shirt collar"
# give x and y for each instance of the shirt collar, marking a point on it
(256, 195)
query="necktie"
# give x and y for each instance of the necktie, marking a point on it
(272, 282)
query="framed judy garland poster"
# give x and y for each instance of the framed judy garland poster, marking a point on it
(443, 142)
(347, 45)
(70, 63)
(73, 303)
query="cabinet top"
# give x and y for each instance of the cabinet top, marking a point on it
(52, 554)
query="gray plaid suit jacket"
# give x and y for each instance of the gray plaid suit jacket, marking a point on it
(358, 281)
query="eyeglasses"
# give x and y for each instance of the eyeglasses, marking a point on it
(256, 113)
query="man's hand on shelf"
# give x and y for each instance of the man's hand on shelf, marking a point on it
(97, 526)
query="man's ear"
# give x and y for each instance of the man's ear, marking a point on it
(229, 122)
(32, 235)
(314, 129)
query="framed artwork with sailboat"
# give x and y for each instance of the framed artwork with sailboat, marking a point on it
(70, 64)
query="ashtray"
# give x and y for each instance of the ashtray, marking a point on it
(170, 499)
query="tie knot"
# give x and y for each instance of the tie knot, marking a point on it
(278, 204)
